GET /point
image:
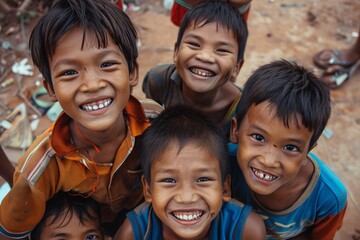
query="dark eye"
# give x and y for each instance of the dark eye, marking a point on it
(258, 137)
(194, 44)
(223, 50)
(69, 73)
(107, 64)
(168, 180)
(291, 148)
(203, 179)
(90, 237)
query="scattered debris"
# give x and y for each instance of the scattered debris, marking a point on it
(327, 133)
(287, 5)
(23, 68)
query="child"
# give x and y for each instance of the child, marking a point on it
(181, 7)
(86, 51)
(186, 184)
(282, 113)
(208, 54)
(69, 217)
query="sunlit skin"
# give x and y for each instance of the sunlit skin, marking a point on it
(273, 157)
(69, 227)
(186, 184)
(207, 59)
(93, 87)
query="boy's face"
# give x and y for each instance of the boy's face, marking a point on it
(186, 190)
(270, 155)
(92, 84)
(70, 228)
(207, 57)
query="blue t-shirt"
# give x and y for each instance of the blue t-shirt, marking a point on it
(322, 205)
(229, 223)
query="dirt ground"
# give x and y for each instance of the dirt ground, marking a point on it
(289, 29)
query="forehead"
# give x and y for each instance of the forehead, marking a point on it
(68, 225)
(192, 154)
(210, 28)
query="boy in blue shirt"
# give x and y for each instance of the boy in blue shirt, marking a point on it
(186, 184)
(282, 113)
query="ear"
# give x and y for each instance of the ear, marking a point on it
(236, 70)
(234, 130)
(227, 189)
(146, 190)
(134, 75)
(50, 91)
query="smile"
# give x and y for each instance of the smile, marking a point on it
(202, 73)
(262, 175)
(188, 216)
(96, 105)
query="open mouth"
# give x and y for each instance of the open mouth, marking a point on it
(202, 72)
(263, 175)
(188, 216)
(96, 105)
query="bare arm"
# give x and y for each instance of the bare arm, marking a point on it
(124, 232)
(7, 169)
(254, 228)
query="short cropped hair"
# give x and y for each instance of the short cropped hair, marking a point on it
(221, 12)
(182, 125)
(63, 204)
(292, 90)
(100, 16)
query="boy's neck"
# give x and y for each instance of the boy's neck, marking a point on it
(213, 104)
(99, 146)
(286, 196)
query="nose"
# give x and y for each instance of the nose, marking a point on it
(270, 157)
(91, 81)
(206, 56)
(186, 194)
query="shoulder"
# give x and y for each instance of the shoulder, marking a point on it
(36, 158)
(125, 231)
(160, 72)
(254, 227)
(329, 188)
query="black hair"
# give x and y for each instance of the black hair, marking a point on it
(292, 90)
(63, 204)
(100, 16)
(223, 14)
(182, 124)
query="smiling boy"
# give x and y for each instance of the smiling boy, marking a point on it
(281, 115)
(208, 55)
(86, 51)
(186, 184)
(71, 218)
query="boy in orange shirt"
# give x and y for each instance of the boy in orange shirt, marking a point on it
(86, 51)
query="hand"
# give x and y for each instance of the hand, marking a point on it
(23, 68)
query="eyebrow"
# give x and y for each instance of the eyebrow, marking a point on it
(222, 43)
(98, 56)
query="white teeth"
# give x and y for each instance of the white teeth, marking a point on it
(96, 107)
(204, 74)
(262, 175)
(188, 217)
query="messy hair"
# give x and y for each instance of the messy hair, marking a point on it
(63, 205)
(182, 125)
(223, 14)
(100, 16)
(293, 91)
